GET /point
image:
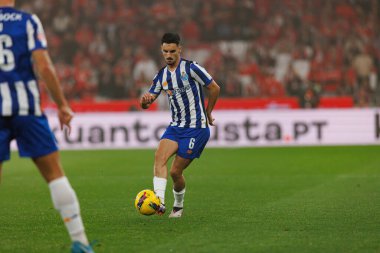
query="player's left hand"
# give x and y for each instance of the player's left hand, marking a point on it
(65, 115)
(210, 119)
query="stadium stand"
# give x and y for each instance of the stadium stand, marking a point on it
(310, 51)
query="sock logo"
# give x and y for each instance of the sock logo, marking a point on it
(68, 219)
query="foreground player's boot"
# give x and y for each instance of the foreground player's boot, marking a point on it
(161, 209)
(78, 247)
(176, 212)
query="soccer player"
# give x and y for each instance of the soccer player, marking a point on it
(22, 48)
(188, 132)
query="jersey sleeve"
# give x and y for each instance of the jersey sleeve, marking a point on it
(156, 86)
(35, 33)
(200, 74)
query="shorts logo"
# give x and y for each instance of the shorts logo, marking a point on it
(184, 76)
(189, 151)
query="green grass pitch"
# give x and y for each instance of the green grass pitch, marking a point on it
(299, 199)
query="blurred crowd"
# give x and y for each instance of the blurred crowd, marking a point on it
(110, 49)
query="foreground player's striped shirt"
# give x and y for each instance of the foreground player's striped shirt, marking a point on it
(184, 90)
(20, 34)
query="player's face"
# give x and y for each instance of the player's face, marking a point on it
(171, 53)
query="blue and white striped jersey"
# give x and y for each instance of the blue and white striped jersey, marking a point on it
(20, 34)
(184, 90)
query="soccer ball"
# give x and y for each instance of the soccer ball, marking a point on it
(146, 202)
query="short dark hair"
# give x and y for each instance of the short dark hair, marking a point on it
(170, 38)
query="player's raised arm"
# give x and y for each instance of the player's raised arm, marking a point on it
(213, 90)
(46, 71)
(147, 99)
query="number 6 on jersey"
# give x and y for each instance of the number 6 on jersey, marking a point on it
(7, 59)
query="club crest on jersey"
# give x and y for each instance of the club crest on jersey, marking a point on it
(184, 76)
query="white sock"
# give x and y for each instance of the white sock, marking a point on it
(66, 202)
(159, 185)
(179, 198)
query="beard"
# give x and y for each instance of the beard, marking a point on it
(170, 61)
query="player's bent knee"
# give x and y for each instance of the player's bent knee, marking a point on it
(175, 174)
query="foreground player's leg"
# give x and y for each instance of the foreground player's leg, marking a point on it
(64, 200)
(176, 172)
(166, 148)
(159, 185)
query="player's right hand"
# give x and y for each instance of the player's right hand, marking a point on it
(65, 115)
(146, 100)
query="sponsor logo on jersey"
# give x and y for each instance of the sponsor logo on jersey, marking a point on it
(181, 90)
(177, 90)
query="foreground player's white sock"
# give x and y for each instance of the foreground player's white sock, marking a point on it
(66, 202)
(179, 198)
(159, 185)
